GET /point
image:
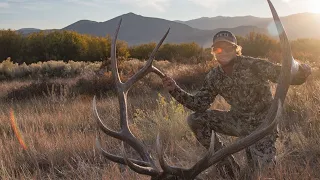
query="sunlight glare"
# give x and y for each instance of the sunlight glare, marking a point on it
(313, 6)
(16, 130)
(272, 28)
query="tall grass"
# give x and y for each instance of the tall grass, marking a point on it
(59, 131)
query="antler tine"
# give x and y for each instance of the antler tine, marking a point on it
(152, 55)
(116, 158)
(148, 67)
(212, 141)
(114, 64)
(160, 153)
(265, 128)
(102, 126)
(288, 61)
(181, 172)
(147, 170)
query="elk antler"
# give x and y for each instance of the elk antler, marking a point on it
(147, 165)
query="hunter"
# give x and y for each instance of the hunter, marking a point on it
(244, 83)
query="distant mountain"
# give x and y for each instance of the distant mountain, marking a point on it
(137, 29)
(303, 25)
(209, 23)
(28, 30)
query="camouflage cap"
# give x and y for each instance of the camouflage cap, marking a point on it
(225, 36)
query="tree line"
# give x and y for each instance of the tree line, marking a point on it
(69, 45)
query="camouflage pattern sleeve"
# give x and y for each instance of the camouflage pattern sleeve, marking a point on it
(271, 71)
(201, 100)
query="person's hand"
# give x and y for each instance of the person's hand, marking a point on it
(306, 69)
(169, 83)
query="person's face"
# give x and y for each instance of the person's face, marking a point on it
(224, 52)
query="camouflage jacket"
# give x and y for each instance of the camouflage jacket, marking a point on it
(247, 90)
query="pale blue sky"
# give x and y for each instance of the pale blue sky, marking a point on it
(47, 14)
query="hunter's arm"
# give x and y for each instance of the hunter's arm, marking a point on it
(201, 100)
(271, 71)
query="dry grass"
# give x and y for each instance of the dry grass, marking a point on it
(59, 130)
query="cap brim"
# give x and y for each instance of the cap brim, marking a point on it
(224, 41)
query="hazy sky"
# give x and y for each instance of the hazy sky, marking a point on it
(46, 14)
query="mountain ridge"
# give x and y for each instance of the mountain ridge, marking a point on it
(138, 29)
